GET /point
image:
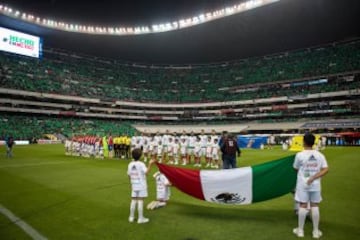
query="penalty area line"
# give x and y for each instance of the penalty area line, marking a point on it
(29, 230)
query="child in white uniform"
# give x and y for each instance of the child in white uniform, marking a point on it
(137, 172)
(311, 165)
(162, 191)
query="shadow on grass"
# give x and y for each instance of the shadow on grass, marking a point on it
(232, 213)
(285, 217)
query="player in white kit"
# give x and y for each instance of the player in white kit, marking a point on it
(183, 149)
(191, 147)
(153, 148)
(183, 136)
(159, 152)
(170, 154)
(145, 146)
(215, 151)
(197, 152)
(208, 156)
(175, 149)
(204, 141)
(165, 143)
(311, 165)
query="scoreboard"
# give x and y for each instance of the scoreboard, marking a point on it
(20, 43)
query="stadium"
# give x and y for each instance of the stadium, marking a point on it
(78, 78)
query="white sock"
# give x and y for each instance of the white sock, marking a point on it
(141, 209)
(132, 208)
(315, 213)
(161, 204)
(301, 217)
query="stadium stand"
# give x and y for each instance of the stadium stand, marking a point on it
(29, 127)
(77, 75)
(72, 94)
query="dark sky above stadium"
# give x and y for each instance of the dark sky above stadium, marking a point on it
(282, 26)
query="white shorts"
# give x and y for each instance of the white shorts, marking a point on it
(307, 196)
(163, 195)
(191, 151)
(208, 155)
(202, 151)
(183, 151)
(139, 193)
(197, 153)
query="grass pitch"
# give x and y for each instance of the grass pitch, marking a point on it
(66, 197)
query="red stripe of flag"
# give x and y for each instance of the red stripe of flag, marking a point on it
(186, 180)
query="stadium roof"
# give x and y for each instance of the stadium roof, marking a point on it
(282, 26)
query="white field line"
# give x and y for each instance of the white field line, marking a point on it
(23, 225)
(30, 164)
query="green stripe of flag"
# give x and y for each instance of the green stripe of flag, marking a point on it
(273, 179)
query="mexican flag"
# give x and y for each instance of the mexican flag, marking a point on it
(235, 186)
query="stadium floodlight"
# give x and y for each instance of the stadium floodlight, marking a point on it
(209, 16)
(229, 10)
(155, 28)
(137, 30)
(161, 27)
(175, 25)
(201, 17)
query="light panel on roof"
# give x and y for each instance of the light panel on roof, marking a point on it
(121, 30)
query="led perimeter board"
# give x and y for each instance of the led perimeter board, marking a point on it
(20, 43)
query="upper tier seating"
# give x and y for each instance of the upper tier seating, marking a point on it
(70, 74)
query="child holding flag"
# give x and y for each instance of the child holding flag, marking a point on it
(137, 172)
(162, 191)
(311, 165)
